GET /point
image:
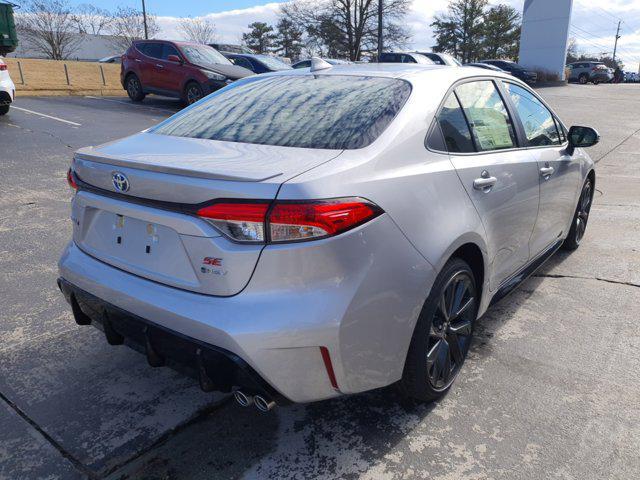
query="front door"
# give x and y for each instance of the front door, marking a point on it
(500, 178)
(558, 173)
(169, 74)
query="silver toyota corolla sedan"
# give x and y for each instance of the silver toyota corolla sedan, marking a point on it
(308, 234)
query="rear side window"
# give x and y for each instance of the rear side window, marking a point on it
(537, 120)
(309, 111)
(242, 62)
(487, 114)
(454, 127)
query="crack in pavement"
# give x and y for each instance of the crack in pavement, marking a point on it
(77, 464)
(55, 137)
(600, 279)
(619, 144)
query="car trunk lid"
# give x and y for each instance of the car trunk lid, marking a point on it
(150, 229)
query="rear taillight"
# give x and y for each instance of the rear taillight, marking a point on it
(3, 67)
(71, 181)
(288, 221)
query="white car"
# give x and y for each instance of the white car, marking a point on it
(7, 88)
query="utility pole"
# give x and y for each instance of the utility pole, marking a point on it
(615, 45)
(144, 19)
(380, 43)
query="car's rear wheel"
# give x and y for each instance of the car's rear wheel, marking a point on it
(442, 335)
(4, 109)
(596, 82)
(192, 93)
(580, 218)
(583, 79)
(134, 88)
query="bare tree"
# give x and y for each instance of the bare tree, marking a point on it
(348, 28)
(128, 25)
(48, 27)
(93, 20)
(198, 30)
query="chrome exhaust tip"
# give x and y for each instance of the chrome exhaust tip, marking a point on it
(242, 398)
(263, 404)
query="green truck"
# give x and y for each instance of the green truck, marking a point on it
(8, 35)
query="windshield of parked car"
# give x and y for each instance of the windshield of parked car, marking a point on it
(203, 56)
(273, 63)
(310, 111)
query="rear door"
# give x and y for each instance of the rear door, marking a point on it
(559, 173)
(151, 53)
(500, 178)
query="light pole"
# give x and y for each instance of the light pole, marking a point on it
(144, 20)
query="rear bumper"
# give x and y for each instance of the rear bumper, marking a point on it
(7, 91)
(215, 368)
(358, 295)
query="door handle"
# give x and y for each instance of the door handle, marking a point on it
(485, 182)
(159, 65)
(546, 172)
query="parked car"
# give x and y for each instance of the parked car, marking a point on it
(585, 72)
(486, 66)
(7, 88)
(291, 239)
(231, 48)
(631, 77)
(514, 69)
(404, 57)
(442, 58)
(307, 63)
(176, 69)
(111, 59)
(258, 63)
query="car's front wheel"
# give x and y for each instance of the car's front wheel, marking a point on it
(134, 88)
(192, 93)
(580, 217)
(4, 109)
(583, 79)
(442, 335)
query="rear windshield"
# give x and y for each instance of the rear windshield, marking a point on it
(324, 111)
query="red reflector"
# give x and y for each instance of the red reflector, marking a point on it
(71, 181)
(326, 358)
(3, 67)
(238, 212)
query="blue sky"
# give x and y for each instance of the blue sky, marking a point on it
(178, 8)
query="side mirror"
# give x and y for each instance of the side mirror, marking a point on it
(581, 137)
(174, 58)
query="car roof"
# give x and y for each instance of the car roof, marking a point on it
(409, 71)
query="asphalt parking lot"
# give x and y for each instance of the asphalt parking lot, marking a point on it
(551, 388)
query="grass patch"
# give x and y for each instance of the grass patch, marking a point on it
(47, 77)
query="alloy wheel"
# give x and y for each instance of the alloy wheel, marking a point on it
(584, 206)
(194, 93)
(133, 87)
(451, 329)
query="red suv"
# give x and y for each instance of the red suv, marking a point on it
(176, 69)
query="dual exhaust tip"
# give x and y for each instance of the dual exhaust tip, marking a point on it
(264, 404)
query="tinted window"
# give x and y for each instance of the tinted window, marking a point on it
(326, 111)
(408, 59)
(151, 49)
(539, 126)
(490, 123)
(303, 64)
(454, 127)
(242, 62)
(434, 58)
(169, 50)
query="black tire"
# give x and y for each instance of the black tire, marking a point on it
(596, 82)
(4, 109)
(583, 79)
(134, 88)
(440, 341)
(580, 217)
(192, 93)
